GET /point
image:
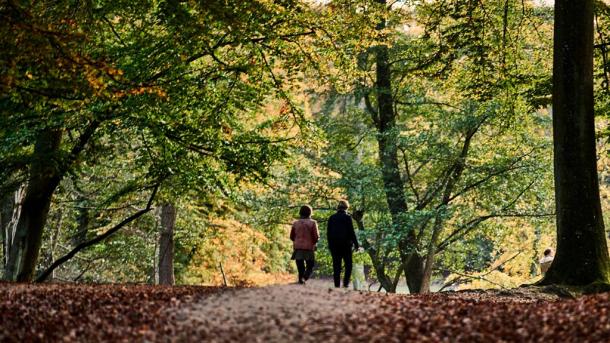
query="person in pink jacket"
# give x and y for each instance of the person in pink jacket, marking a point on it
(304, 235)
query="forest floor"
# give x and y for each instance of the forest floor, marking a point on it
(292, 313)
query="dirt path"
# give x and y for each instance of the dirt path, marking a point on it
(316, 313)
(283, 313)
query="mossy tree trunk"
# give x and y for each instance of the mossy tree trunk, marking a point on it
(582, 254)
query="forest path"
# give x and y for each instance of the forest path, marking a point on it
(317, 313)
(280, 313)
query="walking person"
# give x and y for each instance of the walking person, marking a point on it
(304, 235)
(341, 239)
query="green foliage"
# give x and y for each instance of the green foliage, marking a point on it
(244, 110)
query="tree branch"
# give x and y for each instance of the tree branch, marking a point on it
(512, 166)
(479, 277)
(45, 274)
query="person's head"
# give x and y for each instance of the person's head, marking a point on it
(548, 252)
(305, 211)
(343, 205)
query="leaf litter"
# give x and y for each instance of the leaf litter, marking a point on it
(291, 313)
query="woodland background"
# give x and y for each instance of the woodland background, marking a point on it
(195, 130)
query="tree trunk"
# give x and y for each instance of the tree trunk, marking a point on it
(414, 272)
(166, 245)
(582, 254)
(54, 238)
(154, 273)
(11, 210)
(82, 221)
(43, 179)
(6, 211)
(429, 261)
(378, 263)
(387, 139)
(455, 173)
(387, 136)
(535, 251)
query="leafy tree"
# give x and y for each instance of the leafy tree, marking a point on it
(166, 80)
(582, 252)
(441, 107)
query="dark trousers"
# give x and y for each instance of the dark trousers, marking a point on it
(305, 268)
(344, 256)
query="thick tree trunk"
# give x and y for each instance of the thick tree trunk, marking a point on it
(387, 135)
(44, 178)
(387, 139)
(429, 261)
(582, 254)
(414, 272)
(166, 245)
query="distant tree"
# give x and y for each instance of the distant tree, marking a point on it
(430, 164)
(166, 245)
(582, 253)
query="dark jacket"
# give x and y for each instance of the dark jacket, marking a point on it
(340, 232)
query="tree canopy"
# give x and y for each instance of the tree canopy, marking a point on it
(433, 118)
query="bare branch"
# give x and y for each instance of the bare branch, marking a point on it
(477, 277)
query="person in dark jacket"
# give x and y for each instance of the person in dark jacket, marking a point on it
(341, 238)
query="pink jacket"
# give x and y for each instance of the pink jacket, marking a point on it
(304, 234)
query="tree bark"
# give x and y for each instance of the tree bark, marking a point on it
(44, 178)
(387, 136)
(6, 212)
(166, 245)
(82, 221)
(11, 210)
(414, 272)
(582, 254)
(387, 139)
(45, 172)
(378, 263)
(429, 262)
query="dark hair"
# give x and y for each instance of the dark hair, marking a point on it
(305, 211)
(547, 251)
